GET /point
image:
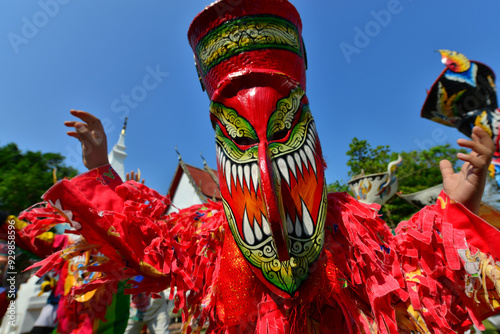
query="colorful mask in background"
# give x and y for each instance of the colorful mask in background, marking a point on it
(463, 96)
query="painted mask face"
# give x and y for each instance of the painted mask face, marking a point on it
(252, 61)
(271, 177)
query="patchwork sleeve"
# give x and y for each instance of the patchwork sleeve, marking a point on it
(449, 259)
(91, 204)
(41, 245)
(126, 224)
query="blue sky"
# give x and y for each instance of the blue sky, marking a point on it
(62, 54)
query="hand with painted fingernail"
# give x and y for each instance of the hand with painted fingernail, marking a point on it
(91, 135)
(467, 185)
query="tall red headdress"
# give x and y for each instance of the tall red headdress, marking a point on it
(250, 37)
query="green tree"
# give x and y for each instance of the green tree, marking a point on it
(337, 186)
(24, 177)
(363, 158)
(419, 171)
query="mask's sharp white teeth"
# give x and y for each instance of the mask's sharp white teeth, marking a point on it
(298, 227)
(240, 176)
(289, 224)
(284, 170)
(307, 220)
(311, 143)
(255, 177)
(247, 230)
(314, 140)
(227, 171)
(312, 129)
(275, 168)
(220, 155)
(304, 159)
(296, 156)
(291, 165)
(310, 155)
(257, 230)
(246, 171)
(235, 175)
(265, 225)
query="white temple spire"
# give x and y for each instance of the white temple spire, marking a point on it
(117, 155)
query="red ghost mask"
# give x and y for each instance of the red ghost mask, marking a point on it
(251, 60)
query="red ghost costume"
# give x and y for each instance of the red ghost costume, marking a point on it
(97, 311)
(279, 255)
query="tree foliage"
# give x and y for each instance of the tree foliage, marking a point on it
(24, 177)
(419, 171)
(364, 158)
(337, 186)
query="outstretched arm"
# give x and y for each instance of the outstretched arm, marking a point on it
(91, 135)
(467, 185)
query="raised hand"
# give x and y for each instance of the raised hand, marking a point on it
(91, 135)
(134, 177)
(467, 185)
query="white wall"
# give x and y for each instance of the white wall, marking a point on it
(185, 195)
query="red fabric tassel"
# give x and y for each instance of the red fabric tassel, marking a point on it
(375, 280)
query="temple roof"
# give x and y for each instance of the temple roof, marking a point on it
(204, 181)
